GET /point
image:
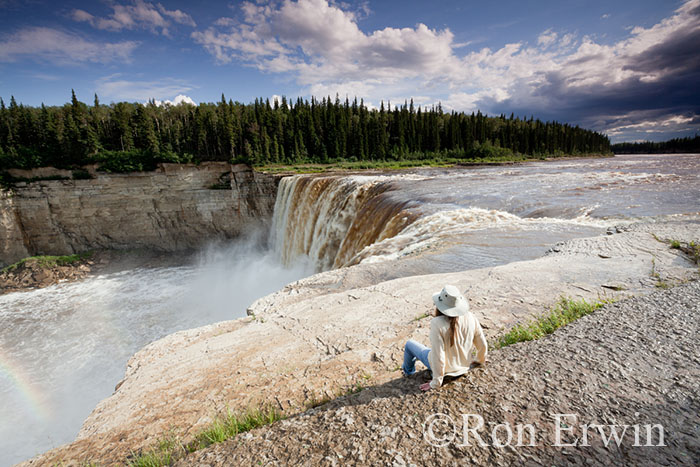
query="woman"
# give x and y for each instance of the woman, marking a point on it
(454, 332)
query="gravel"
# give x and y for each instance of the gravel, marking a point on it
(634, 362)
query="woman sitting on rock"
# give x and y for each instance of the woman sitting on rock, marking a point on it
(454, 332)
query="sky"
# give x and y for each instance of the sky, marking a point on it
(629, 69)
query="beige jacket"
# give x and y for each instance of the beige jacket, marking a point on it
(454, 360)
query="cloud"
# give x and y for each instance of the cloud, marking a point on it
(178, 16)
(547, 38)
(179, 99)
(115, 88)
(137, 15)
(654, 125)
(651, 74)
(61, 47)
(319, 41)
(45, 77)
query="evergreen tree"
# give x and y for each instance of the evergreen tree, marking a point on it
(284, 131)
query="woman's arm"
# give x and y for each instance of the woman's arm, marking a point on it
(480, 343)
(437, 353)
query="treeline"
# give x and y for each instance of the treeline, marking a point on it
(672, 146)
(131, 136)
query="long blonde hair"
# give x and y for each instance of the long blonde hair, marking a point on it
(453, 326)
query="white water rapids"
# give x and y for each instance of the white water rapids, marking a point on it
(63, 348)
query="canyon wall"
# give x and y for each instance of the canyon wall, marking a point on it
(175, 207)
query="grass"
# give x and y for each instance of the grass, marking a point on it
(691, 249)
(398, 164)
(360, 165)
(231, 424)
(170, 448)
(660, 283)
(563, 313)
(256, 318)
(421, 316)
(164, 453)
(47, 262)
(83, 464)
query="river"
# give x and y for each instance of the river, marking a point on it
(65, 347)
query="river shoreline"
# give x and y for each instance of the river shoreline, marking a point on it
(31, 274)
(373, 167)
(187, 378)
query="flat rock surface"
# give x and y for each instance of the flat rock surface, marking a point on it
(323, 335)
(635, 362)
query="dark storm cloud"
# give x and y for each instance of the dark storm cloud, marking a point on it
(680, 53)
(662, 86)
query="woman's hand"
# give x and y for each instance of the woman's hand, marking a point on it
(425, 386)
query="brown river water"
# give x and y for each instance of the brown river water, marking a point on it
(63, 348)
(465, 218)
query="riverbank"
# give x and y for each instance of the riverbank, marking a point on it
(282, 169)
(626, 367)
(179, 384)
(42, 271)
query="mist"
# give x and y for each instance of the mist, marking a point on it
(229, 277)
(69, 343)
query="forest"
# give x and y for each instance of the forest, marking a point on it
(123, 137)
(672, 146)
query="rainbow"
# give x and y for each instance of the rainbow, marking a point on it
(23, 386)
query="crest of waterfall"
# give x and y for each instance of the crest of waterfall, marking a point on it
(330, 219)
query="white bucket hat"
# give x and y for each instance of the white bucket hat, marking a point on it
(450, 302)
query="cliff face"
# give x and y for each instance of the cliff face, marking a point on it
(12, 241)
(173, 208)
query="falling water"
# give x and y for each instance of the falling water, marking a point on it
(329, 219)
(63, 348)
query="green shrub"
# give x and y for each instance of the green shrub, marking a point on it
(81, 174)
(50, 261)
(125, 161)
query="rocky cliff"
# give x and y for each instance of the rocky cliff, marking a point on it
(173, 208)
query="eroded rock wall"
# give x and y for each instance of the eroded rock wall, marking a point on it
(12, 241)
(173, 208)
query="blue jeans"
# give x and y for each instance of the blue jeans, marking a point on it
(414, 350)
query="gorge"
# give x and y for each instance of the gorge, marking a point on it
(173, 208)
(378, 241)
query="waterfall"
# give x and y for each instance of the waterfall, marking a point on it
(330, 219)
